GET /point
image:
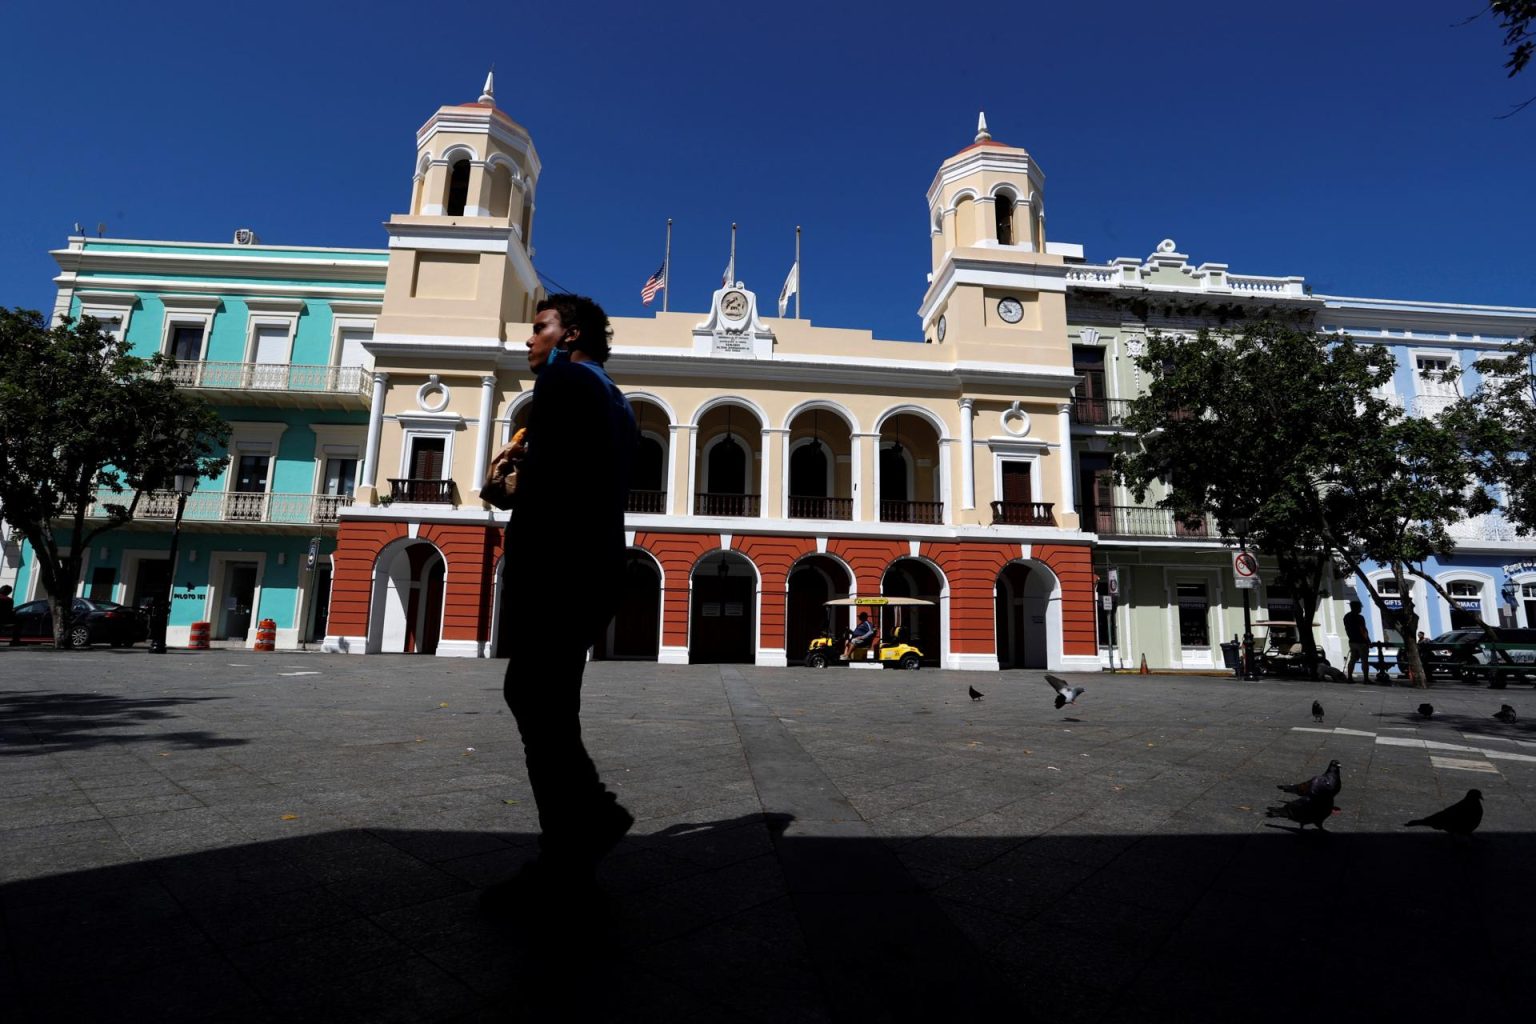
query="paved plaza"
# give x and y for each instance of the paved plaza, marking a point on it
(233, 836)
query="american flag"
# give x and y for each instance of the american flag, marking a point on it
(653, 284)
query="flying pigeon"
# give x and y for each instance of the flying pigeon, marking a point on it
(1459, 819)
(1426, 710)
(1327, 784)
(1064, 694)
(1505, 714)
(975, 693)
(1317, 711)
(1306, 810)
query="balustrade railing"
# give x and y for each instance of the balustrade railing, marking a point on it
(725, 504)
(1430, 406)
(343, 380)
(925, 512)
(1142, 521)
(427, 492)
(1100, 412)
(810, 507)
(1023, 513)
(229, 506)
(647, 502)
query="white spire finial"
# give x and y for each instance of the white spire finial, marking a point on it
(982, 135)
(488, 94)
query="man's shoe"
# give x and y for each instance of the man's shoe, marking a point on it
(614, 827)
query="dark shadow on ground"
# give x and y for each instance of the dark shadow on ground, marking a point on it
(1477, 725)
(727, 920)
(41, 722)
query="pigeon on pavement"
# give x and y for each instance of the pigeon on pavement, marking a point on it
(1317, 711)
(1459, 819)
(1426, 710)
(1064, 694)
(1306, 810)
(1327, 784)
(975, 693)
(1505, 714)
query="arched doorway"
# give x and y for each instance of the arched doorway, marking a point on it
(813, 581)
(729, 447)
(635, 632)
(406, 615)
(722, 617)
(910, 482)
(912, 577)
(1024, 591)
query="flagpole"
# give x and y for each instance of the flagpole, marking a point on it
(799, 272)
(733, 255)
(666, 269)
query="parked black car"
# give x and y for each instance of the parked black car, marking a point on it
(1461, 652)
(93, 622)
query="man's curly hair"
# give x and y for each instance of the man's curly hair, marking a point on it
(585, 316)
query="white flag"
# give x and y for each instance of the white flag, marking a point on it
(729, 277)
(791, 286)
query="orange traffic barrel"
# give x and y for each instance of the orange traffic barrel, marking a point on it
(266, 635)
(197, 639)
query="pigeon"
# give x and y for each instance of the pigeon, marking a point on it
(1426, 710)
(1327, 784)
(1064, 694)
(1505, 714)
(975, 693)
(1317, 711)
(1459, 819)
(1306, 810)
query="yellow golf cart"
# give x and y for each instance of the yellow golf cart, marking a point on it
(888, 647)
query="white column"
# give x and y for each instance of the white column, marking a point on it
(375, 429)
(967, 454)
(483, 439)
(1064, 425)
(765, 472)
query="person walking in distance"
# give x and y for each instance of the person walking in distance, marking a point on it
(565, 569)
(1359, 639)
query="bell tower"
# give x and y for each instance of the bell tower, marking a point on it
(997, 288)
(460, 262)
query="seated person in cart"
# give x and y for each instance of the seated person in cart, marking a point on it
(863, 635)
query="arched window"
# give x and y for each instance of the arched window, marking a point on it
(1003, 205)
(728, 467)
(501, 192)
(458, 188)
(808, 471)
(893, 476)
(649, 463)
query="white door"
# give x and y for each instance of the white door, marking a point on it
(271, 370)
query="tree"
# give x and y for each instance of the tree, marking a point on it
(1497, 425)
(1287, 429)
(82, 422)
(1515, 17)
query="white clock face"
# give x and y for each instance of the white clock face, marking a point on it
(734, 305)
(1011, 310)
(943, 327)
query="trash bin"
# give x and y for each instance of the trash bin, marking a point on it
(1229, 656)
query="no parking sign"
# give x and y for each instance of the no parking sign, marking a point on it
(1245, 568)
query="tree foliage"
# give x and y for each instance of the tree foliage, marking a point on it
(1497, 425)
(1288, 429)
(1515, 17)
(81, 418)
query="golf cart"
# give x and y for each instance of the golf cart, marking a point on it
(888, 647)
(1280, 652)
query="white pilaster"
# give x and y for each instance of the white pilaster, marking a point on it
(375, 429)
(967, 454)
(1064, 429)
(487, 425)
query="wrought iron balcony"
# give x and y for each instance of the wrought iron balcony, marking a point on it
(1142, 521)
(647, 502)
(805, 507)
(1100, 412)
(287, 383)
(255, 507)
(1023, 513)
(726, 504)
(421, 492)
(927, 512)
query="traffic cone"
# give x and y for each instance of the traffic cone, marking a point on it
(1144, 670)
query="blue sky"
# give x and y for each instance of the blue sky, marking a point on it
(1355, 144)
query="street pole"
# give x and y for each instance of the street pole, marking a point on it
(1248, 672)
(186, 482)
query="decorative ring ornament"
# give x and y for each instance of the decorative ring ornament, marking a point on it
(1015, 420)
(433, 385)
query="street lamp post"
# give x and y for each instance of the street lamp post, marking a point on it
(1240, 524)
(186, 483)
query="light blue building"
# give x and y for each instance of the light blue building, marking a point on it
(275, 338)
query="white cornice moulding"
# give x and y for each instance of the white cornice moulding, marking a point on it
(230, 289)
(353, 308)
(231, 264)
(191, 303)
(274, 305)
(428, 420)
(988, 274)
(434, 346)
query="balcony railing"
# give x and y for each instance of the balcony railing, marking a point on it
(1430, 406)
(725, 504)
(806, 507)
(425, 492)
(926, 512)
(1100, 412)
(1023, 513)
(229, 506)
(338, 380)
(647, 502)
(1140, 521)
(1492, 526)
